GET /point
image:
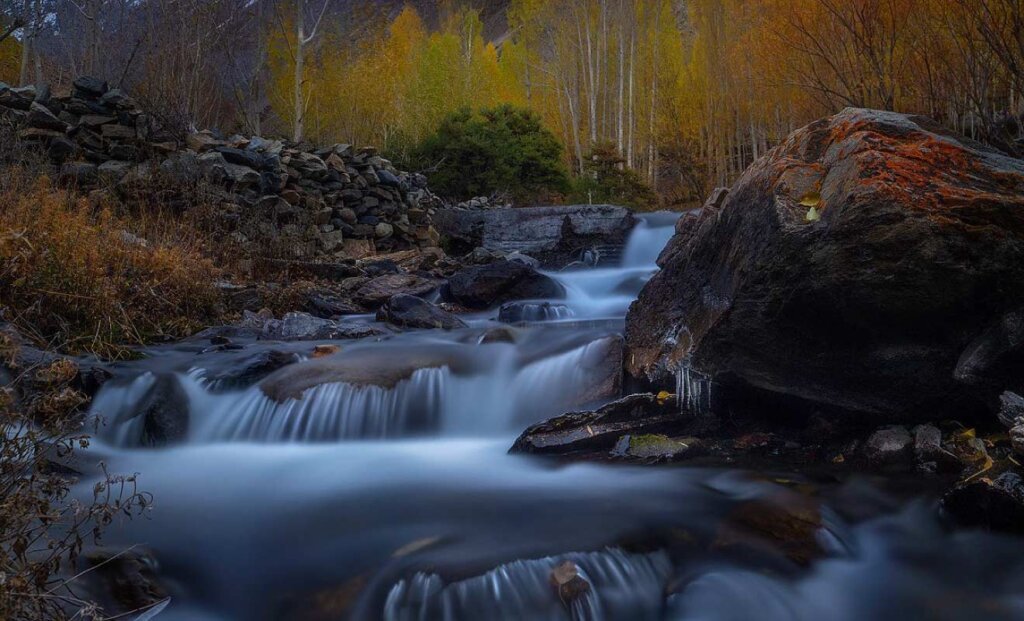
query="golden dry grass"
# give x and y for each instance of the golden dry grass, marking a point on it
(73, 275)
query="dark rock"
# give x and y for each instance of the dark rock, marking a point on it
(78, 173)
(41, 117)
(165, 413)
(569, 585)
(253, 369)
(1011, 409)
(122, 582)
(984, 503)
(328, 305)
(382, 288)
(412, 312)
(889, 445)
(861, 265)
(305, 327)
(90, 87)
(112, 131)
(601, 429)
(242, 157)
(484, 286)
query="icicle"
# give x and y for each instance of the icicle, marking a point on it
(693, 390)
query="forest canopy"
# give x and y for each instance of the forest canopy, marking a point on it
(689, 93)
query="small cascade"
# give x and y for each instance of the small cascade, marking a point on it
(693, 390)
(648, 238)
(622, 586)
(332, 412)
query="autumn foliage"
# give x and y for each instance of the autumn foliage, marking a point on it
(75, 274)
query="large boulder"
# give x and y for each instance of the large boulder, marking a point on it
(871, 262)
(485, 286)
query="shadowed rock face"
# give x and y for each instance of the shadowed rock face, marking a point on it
(870, 262)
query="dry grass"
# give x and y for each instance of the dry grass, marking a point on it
(75, 275)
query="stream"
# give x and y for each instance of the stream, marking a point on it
(400, 501)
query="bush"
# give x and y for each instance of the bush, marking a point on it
(607, 180)
(72, 275)
(43, 528)
(504, 150)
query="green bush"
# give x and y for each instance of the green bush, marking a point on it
(607, 180)
(503, 150)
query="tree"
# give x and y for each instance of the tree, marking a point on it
(498, 150)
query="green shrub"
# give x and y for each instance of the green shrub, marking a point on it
(503, 150)
(607, 180)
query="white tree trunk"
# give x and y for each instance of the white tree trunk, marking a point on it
(300, 104)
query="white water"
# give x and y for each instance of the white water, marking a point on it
(324, 507)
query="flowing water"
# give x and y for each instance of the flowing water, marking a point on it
(392, 496)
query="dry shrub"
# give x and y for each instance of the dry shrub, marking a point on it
(73, 275)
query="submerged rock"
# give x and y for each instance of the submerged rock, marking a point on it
(890, 303)
(485, 286)
(413, 312)
(600, 429)
(253, 369)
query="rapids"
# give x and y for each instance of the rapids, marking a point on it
(396, 499)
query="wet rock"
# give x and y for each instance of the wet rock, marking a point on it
(253, 369)
(485, 286)
(929, 452)
(569, 585)
(372, 367)
(305, 327)
(382, 288)
(322, 351)
(870, 302)
(600, 429)
(1011, 409)
(328, 305)
(412, 312)
(786, 524)
(165, 413)
(889, 445)
(995, 504)
(498, 335)
(122, 582)
(649, 447)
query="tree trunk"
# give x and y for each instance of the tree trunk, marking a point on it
(300, 104)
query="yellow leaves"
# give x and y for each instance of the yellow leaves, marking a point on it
(664, 396)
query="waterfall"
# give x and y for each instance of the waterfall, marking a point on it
(501, 396)
(647, 239)
(623, 586)
(334, 411)
(693, 390)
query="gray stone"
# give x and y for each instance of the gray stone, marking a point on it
(413, 312)
(888, 445)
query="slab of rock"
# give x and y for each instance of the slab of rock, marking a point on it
(1011, 409)
(412, 312)
(600, 429)
(485, 286)
(305, 327)
(253, 369)
(861, 265)
(379, 290)
(554, 235)
(165, 413)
